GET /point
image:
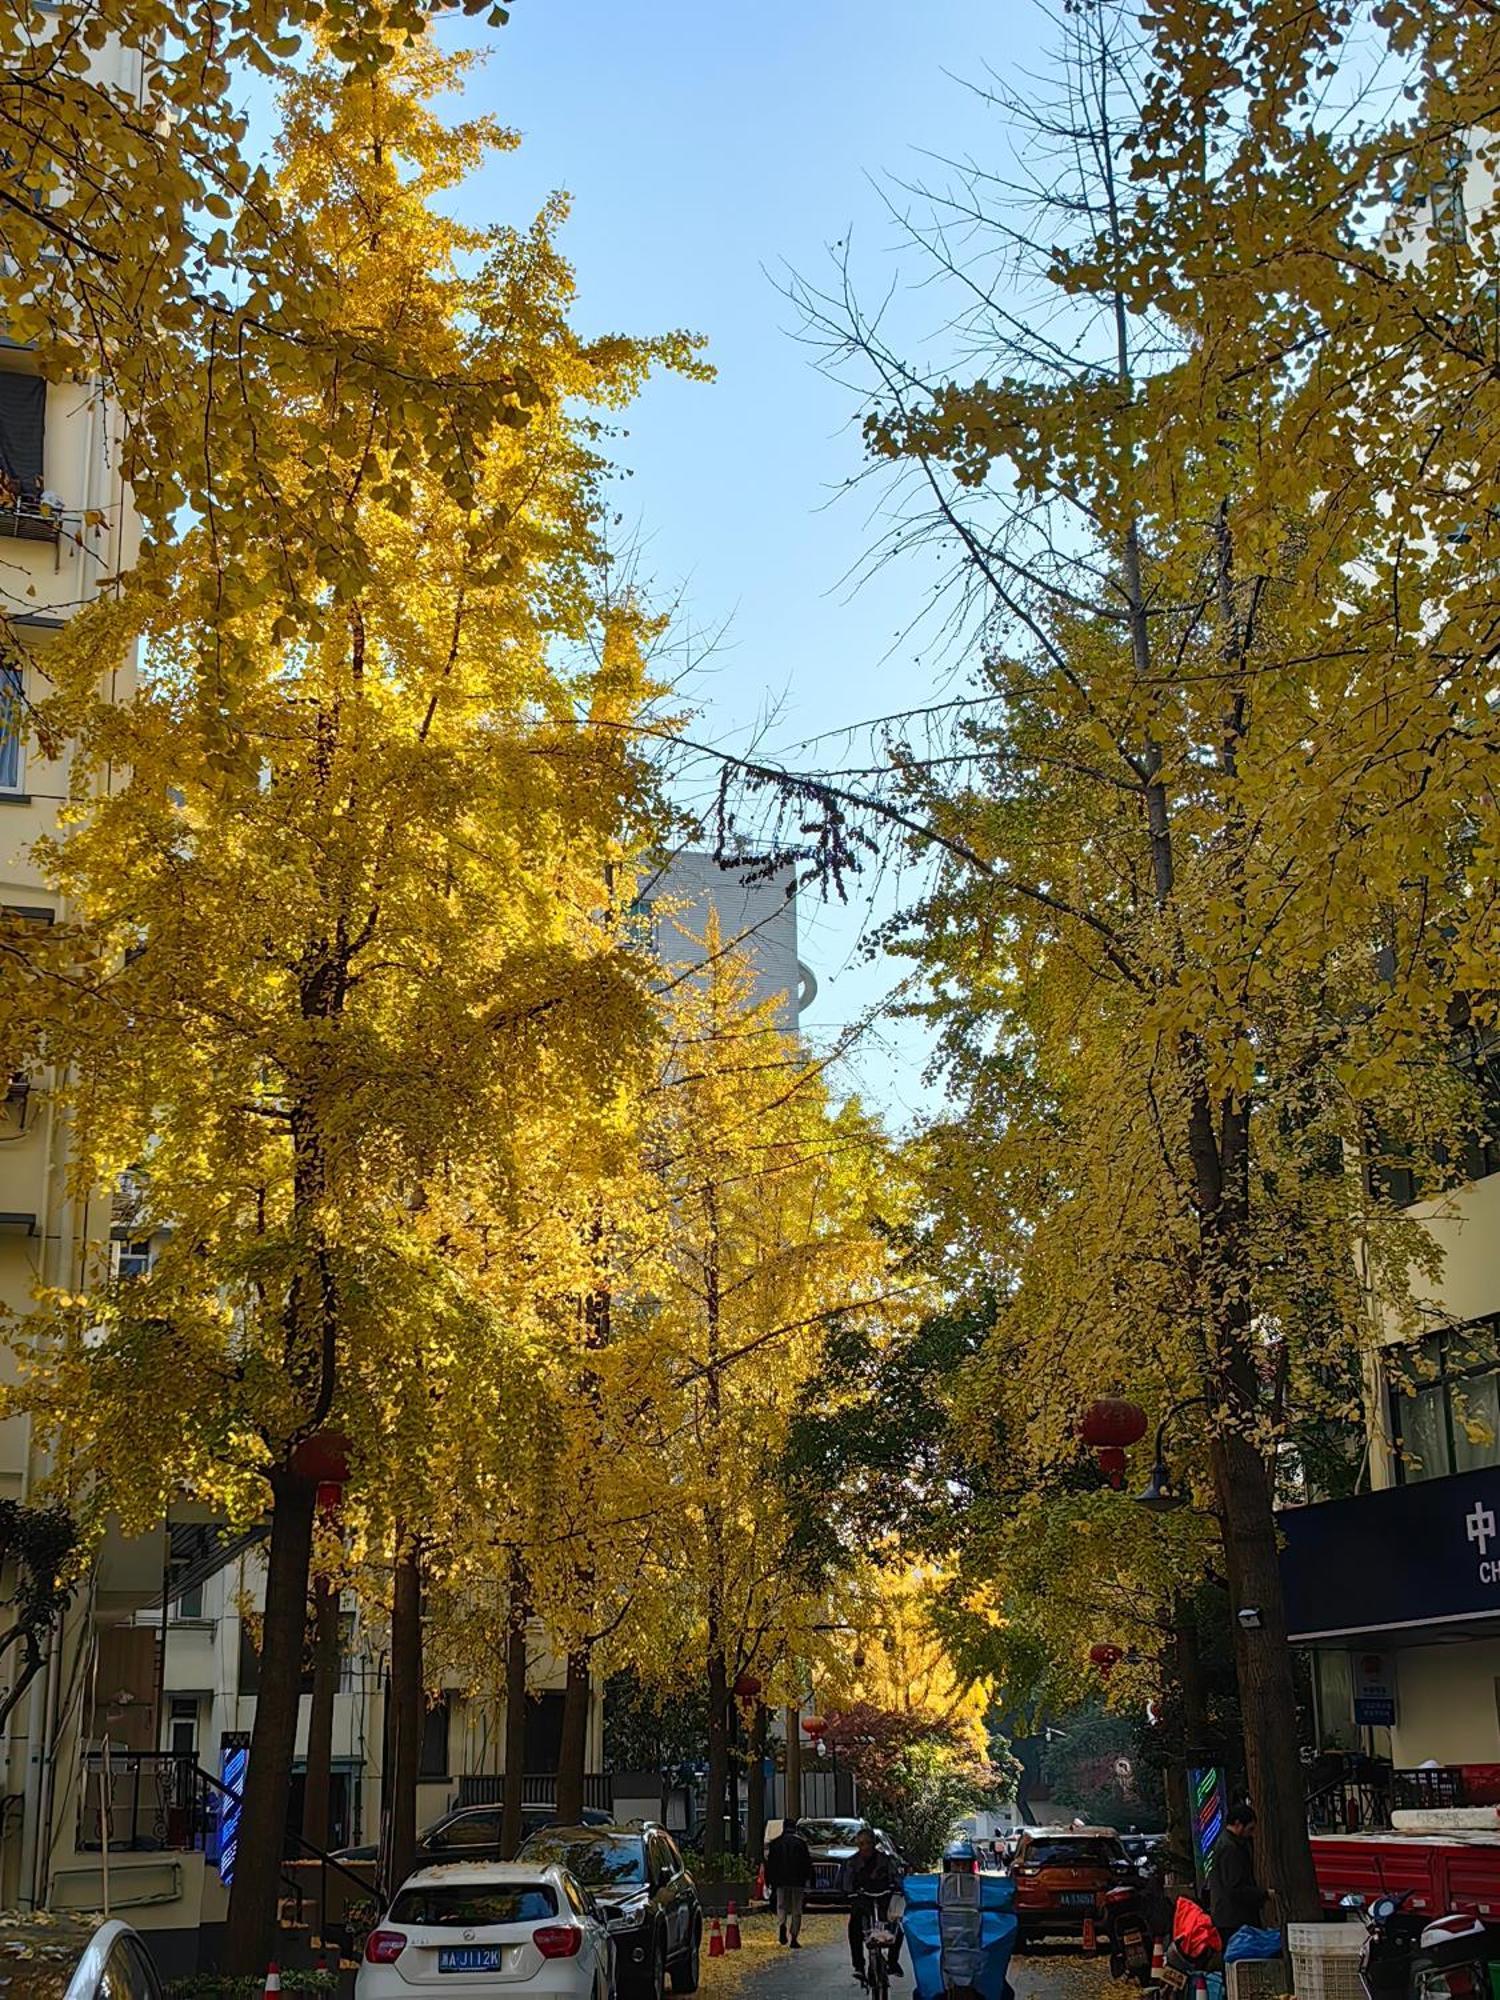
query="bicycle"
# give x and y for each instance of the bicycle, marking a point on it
(879, 1940)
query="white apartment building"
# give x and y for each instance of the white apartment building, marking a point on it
(67, 525)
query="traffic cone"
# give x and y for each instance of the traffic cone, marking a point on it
(273, 1980)
(732, 1928)
(715, 1940)
(1158, 1961)
(1090, 1940)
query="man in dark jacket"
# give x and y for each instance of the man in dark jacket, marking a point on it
(869, 1875)
(789, 1875)
(1235, 1898)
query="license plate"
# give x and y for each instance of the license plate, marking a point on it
(1172, 1979)
(469, 1958)
(1077, 1899)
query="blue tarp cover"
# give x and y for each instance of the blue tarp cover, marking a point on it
(961, 1936)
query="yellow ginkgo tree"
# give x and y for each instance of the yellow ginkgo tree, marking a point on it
(773, 1217)
(342, 924)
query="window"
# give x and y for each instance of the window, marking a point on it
(184, 1720)
(23, 414)
(639, 930)
(472, 1905)
(661, 1859)
(433, 1759)
(574, 1895)
(1397, 1175)
(349, 1657)
(10, 729)
(189, 1604)
(609, 1861)
(131, 1259)
(1086, 1852)
(1333, 1700)
(1445, 1402)
(128, 1973)
(470, 1829)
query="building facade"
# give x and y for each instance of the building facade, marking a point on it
(67, 526)
(1396, 1591)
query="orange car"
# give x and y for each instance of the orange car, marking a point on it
(1061, 1874)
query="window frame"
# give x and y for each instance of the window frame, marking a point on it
(1445, 1378)
(12, 736)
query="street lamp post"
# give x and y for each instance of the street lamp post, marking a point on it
(1159, 1493)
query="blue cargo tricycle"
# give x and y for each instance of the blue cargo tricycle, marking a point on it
(960, 1929)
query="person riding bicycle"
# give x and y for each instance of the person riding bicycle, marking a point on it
(869, 1874)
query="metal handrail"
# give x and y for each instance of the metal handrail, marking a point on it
(1328, 1807)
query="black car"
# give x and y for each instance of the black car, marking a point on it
(696, 1836)
(650, 1901)
(471, 1833)
(831, 1842)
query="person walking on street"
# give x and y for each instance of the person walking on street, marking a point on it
(789, 1876)
(1235, 1898)
(869, 1873)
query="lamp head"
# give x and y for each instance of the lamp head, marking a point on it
(1159, 1494)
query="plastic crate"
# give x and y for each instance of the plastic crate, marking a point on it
(1258, 1979)
(1325, 1960)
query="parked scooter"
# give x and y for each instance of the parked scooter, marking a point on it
(1193, 1946)
(1407, 1956)
(1128, 1934)
(1393, 1935)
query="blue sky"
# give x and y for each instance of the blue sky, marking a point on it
(708, 148)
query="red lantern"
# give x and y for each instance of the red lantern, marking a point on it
(323, 1458)
(746, 1688)
(814, 1726)
(1112, 1421)
(1106, 1657)
(1112, 1464)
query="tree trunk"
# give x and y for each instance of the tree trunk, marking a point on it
(575, 1735)
(716, 1790)
(1190, 1681)
(515, 1710)
(793, 1727)
(404, 1737)
(1220, 1151)
(755, 1804)
(320, 1713)
(251, 1928)
(734, 1763)
(1268, 1689)
(1179, 1819)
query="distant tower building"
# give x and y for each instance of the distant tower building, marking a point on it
(759, 916)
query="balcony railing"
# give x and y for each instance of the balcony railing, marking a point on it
(25, 520)
(147, 1801)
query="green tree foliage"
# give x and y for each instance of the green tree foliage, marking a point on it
(917, 1774)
